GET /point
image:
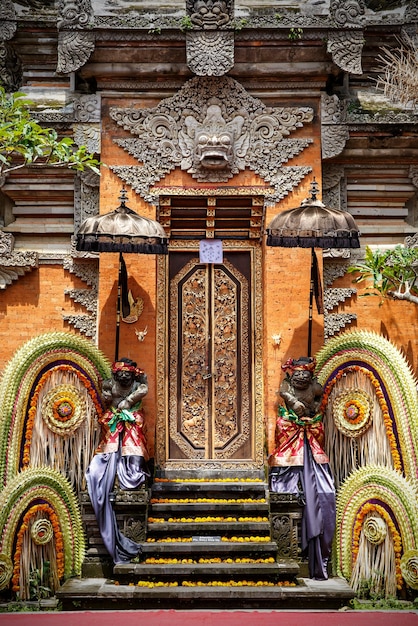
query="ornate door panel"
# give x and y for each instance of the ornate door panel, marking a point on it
(211, 397)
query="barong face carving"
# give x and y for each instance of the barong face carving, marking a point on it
(179, 131)
(213, 142)
(209, 14)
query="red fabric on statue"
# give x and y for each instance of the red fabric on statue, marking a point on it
(133, 439)
(289, 441)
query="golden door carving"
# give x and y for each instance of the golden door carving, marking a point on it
(210, 391)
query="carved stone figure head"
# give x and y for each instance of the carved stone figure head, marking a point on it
(214, 138)
(301, 378)
(301, 371)
(209, 14)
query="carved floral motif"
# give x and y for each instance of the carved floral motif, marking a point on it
(210, 53)
(346, 13)
(74, 13)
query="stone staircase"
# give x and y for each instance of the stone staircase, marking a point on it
(204, 544)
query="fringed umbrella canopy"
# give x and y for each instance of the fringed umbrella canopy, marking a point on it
(122, 230)
(313, 225)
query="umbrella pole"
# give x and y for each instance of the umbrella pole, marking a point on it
(311, 295)
(118, 311)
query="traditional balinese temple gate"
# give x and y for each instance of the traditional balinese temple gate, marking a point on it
(214, 117)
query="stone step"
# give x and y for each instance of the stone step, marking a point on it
(205, 571)
(100, 593)
(209, 489)
(242, 509)
(211, 528)
(202, 548)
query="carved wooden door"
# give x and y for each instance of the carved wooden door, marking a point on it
(210, 358)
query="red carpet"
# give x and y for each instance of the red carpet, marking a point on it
(208, 618)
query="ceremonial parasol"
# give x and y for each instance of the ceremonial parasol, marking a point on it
(121, 230)
(313, 225)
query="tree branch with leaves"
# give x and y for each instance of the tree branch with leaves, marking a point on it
(392, 273)
(25, 143)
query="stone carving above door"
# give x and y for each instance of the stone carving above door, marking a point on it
(219, 111)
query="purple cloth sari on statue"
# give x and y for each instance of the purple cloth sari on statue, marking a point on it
(314, 486)
(131, 472)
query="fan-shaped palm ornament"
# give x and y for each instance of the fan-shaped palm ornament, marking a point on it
(121, 230)
(313, 225)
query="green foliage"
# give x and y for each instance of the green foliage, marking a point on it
(392, 273)
(37, 589)
(239, 24)
(295, 33)
(186, 23)
(24, 142)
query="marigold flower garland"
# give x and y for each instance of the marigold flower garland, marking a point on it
(59, 543)
(397, 541)
(206, 519)
(147, 584)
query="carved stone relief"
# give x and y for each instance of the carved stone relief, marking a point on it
(346, 13)
(86, 204)
(75, 44)
(11, 73)
(6, 243)
(74, 14)
(334, 132)
(87, 108)
(210, 53)
(88, 271)
(86, 197)
(413, 175)
(411, 12)
(166, 137)
(335, 322)
(412, 241)
(210, 14)
(88, 135)
(14, 264)
(334, 193)
(346, 48)
(10, 63)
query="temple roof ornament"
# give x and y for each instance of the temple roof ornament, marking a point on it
(75, 44)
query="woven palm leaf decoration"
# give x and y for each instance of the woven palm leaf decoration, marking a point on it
(370, 410)
(50, 393)
(39, 521)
